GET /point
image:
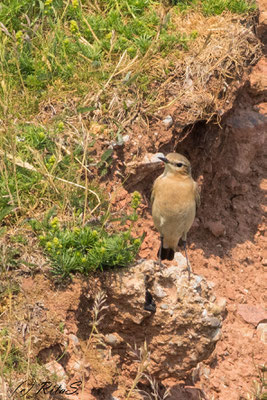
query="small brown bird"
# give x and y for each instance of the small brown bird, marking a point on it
(175, 197)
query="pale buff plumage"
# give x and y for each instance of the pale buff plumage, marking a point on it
(175, 197)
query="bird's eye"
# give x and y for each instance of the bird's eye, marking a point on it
(179, 164)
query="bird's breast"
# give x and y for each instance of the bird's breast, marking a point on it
(173, 196)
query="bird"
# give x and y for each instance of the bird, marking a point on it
(175, 198)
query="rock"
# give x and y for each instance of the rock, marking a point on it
(140, 171)
(181, 333)
(262, 330)
(74, 340)
(159, 292)
(262, 26)
(258, 77)
(219, 306)
(180, 259)
(125, 138)
(164, 306)
(113, 339)
(252, 314)
(168, 121)
(216, 335)
(186, 393)
(77, 365)
(249, 128)
(55, 368)
(217, 228)
(212, 321)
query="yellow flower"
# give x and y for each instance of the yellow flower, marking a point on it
(54, 221)
(74, 27)
(52, 159)
(19, 35)
(60, 125)
(75, 3)
(41, 135)
(55, 240)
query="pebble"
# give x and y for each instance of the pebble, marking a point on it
(55, 368)
(164, 306)
(159, 292)
(217, 228)
(180, 259)
(74, 339)
(168, 121)
(125, 138)
(111, 339)
(217, 334)
(262, 329)
(212, 321)
(198, 279)
(204, 313)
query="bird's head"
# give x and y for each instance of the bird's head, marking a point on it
(176, 164)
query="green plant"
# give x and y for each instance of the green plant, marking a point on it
(105, 162)
(85, 248)
(9, 258)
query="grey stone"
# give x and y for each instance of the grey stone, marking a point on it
(168, 121)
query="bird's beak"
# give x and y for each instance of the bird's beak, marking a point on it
(164, 159)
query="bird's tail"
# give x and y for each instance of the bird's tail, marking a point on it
(166, 254)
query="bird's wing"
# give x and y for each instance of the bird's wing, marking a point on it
(154, 190)
(197, 195)
(152, 195)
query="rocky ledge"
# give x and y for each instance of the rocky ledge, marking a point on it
(185, 327)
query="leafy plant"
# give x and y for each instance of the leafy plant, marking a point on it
(86, 248)
(105, 162)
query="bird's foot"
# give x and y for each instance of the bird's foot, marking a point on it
(189, 271)
(161, 265)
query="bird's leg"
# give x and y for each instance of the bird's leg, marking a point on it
(160, 251)
(187, 260)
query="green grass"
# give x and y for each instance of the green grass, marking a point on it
(45, 44)
(55, 43)
(11, 357)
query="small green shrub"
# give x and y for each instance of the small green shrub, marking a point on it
(86, 248)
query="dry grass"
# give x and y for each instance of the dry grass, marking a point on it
(197, 82)
(200, 84)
